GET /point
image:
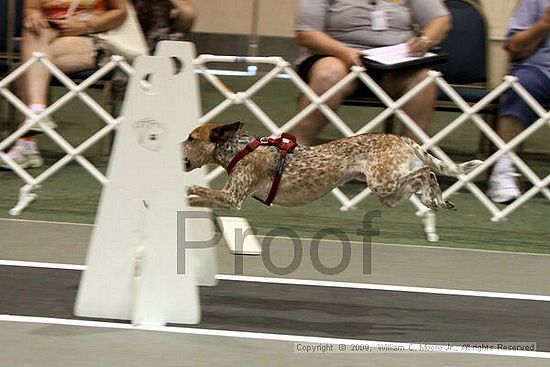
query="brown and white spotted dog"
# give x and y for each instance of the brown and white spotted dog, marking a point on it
(394, 168)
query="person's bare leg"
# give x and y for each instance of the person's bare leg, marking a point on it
(323, 75)
(70, 54)
(32, 86)
(421, 107)
(35, 81)
(509, 127)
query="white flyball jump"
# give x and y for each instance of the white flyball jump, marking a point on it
(132, 262)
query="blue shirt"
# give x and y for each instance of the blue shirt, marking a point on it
(527, 14)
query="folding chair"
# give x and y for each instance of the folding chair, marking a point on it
(468, 64)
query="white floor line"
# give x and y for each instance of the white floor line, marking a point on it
(432, 247)
(42, 265)
(414, 347)
(46, 222)
(319, 283)
(385, 287)
(324, 240)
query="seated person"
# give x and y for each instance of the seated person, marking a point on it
(165, 19)
(334, 32)
(61, 30)
(529, 48)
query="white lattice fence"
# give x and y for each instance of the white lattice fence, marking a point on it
(280, 67)
(26, 195)
(393, 107)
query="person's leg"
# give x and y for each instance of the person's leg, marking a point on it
(514, 116)
(509, 127)
(35, 81)
(421, 107)
(324, 73)
(70, 54)
(503, 186)
(32, 86)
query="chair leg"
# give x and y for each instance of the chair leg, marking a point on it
(3, 119)
(389, 125)
(12, 113)
(103, 146)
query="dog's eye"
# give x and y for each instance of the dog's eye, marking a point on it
(190, 138)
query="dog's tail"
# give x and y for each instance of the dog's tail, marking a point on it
(440, 166)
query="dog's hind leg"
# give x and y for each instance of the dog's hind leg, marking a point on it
(431, 194)
(405, 187)
(423, 181)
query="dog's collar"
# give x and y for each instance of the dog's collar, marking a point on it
(286, 144)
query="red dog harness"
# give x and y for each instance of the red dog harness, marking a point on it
(286, 144)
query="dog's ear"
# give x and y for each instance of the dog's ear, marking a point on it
(223, 133)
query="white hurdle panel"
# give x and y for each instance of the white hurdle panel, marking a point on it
(133, 258)
(133, 255)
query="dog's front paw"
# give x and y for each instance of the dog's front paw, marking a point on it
(194, 201)
(198, 201)
(448, 205)
(192, 190)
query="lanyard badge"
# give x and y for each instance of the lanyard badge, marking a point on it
(378, 20)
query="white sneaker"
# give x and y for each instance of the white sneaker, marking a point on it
(48, 121)
(503, 187)
(25, 156)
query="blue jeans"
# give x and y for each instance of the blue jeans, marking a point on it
(537, 84)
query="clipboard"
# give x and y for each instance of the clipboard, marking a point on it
(439, 58)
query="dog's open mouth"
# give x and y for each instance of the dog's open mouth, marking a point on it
(186, 164)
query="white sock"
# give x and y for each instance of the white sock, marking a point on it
(31, 144)
(36, 108)
(504, 164)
